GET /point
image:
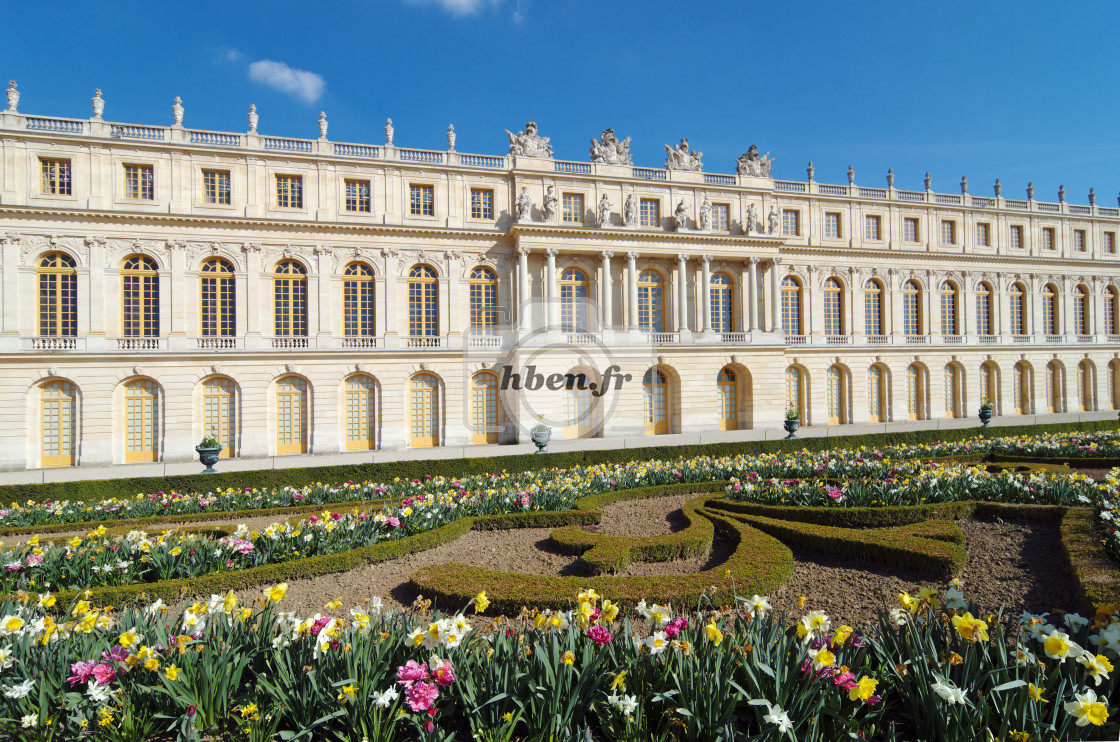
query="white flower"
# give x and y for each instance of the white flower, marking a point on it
(19, 690)
(779, 717)
(384, 700)
(1094, 667)
(28, 721)
(949, 692)
(98, 693)
(6, 660)
(900, 617)
(627, 705)
(1109, 638)
(1087, 708)
(760, 605)
(1075, 621)
(954, 599)
(657, 642)
(156, 607)
(375, 605)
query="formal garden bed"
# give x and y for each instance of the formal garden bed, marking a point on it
(796, 594)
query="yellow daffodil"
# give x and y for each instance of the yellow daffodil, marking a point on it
(276, 594)
(863, 690)
(481, 602)
(715, 636)
(172, 672)
(972, 629)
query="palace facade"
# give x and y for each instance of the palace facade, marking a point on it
(297, 297)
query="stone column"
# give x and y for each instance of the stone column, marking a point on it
(751, 295)
(682, 292)
(704, 293)
(606, 300)
(322, 303)
(550, 289)
(632, 290)
(775, 297)
(522, 283)
(249, 306)
(173, 289)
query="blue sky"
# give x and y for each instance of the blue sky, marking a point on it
(1019, 91)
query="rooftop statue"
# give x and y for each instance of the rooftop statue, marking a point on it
(682, 158)
(609, 150)
(550, 204)
(750, 163)
(524, 206)
(528, 144)
(680, 216)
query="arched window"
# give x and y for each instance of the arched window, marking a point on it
(911, 309)
(357, 301)
(651, 294)
(1017, 296)
(59, 418)
(573, 300)
(915, 392)
(58, 296)
(795, 392)
(1050, 309)
(484, 407)
(484, 301)
(361, 413)
(727, 388)
(833, 308)
(289, 299)
(219, 413)
(1055, 387)
(989, 385)
(655, 388)
(1111, 309)
(837, 395)
(1087, 386)
(876, 394)
(1023, 388)
(723, 307)
(578, 404)
(291, 415)
(948, 308)
(791, 306)
(1081, 310)
(217, 299)
(954, 390)
(139, 298)
(424, 404)
(142, 433)
(423, 302)
(873, 307)
(984, 308)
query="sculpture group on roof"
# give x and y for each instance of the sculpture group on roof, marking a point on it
(528, 144)
(683, 158)
(609, 150)
(752, 164)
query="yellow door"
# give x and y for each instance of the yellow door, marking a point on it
(425, 411)
(728, 400)
(219, 414)
(291, 415)
(484, 408)
(361, 414)
(655, 387)
(141, 421)
(58, 417)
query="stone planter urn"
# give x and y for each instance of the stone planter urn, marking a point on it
(791, 427)
(208, 456)
(985, 416)
(541, 435)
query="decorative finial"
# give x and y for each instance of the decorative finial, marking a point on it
(1061, 194)
(1092, 197)
(98, 103)
(253, 118)
(322, 124)
(810, 170)
(964, 184)
(177, 111)
(890, 177)
(851, 175)
(451, 137)
(1030, 191)
(928, 181)
(999, 188)
(13, 96)
(388, 131)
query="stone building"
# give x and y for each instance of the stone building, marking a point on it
(305, 297)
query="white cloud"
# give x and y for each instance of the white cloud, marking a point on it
(459, 7)
(232, 55)
(519, 12)
(307, 86)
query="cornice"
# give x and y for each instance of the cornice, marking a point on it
(616, 236)
(887, 256)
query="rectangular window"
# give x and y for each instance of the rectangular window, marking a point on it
(948, 232)
(482, 203)
(55, 178)
(791, 222)
(832, 224)
(910, 229)
(720, 217)
(650, 214)
(215, 187)
(422, 200)
(289, 191)
(1079, 240)
(984, 235)
(573, 208)
(1048, 238)
(872, 227)
(139, 182)
(357, 196)
(1016, 236)
(1110, 243)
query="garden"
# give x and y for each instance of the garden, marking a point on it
(893, 590)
